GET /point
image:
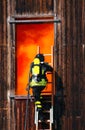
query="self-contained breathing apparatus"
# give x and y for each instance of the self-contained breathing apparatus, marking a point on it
(36, 70)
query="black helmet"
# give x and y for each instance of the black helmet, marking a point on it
(40, 56)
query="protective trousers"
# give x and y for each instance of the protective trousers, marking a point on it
(37, 94)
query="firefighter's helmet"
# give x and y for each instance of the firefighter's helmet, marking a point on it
(40, 56)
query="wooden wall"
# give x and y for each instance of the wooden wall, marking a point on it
(71, 60)
(20, 114)
(69, 54)
(3, 67)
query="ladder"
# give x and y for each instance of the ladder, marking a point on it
(48, 115)
(47, 101)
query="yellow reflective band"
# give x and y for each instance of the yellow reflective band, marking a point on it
(37, 102)
(43, 82)
(41, 97)
(39, 106)
(42, 71)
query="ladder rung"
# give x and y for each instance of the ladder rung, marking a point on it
(47, 101)
(50, 82)
(48, 72)
(48, 92)
(46, 111)
(45, 121)
(42, 129)
(48, 54)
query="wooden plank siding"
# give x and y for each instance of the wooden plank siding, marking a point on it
(3, 67)
(69, 59)
(31, 7)
(20, 112)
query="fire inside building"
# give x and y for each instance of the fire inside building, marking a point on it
(55, 29)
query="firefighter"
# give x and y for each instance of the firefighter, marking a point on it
(38, 79)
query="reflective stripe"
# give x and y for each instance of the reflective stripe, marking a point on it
(43, 71)
(41, 97)
(37, 102)
(39, 106)
(43, 82)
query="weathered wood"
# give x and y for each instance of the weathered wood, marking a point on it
(35, 6)
(12, 21)
(69, 58)
(72, 33)
(20, 113)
